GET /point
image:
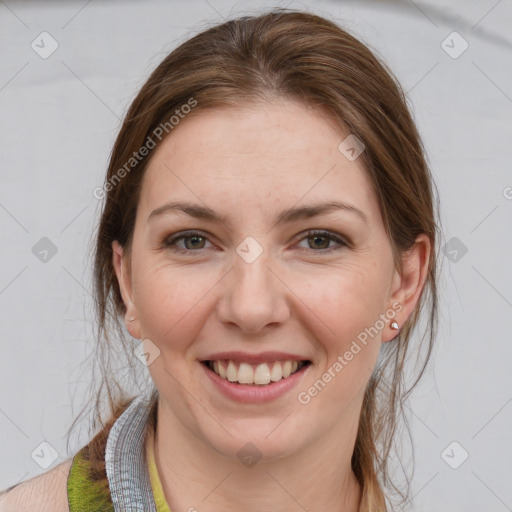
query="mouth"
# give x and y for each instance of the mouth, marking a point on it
(248, 374)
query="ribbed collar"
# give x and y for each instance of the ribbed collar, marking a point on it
(125, 460)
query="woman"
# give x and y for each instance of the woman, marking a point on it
(269, 236)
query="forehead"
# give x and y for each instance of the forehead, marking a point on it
(254, 158)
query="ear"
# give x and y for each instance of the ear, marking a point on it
(408, 285)
(123, 272)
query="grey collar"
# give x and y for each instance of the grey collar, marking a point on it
(125, 460)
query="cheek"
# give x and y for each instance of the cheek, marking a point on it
(169, 301)
(346, 301)
(346, 305)
(348, 332)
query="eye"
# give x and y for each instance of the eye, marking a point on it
(194, 236)
(317, 239)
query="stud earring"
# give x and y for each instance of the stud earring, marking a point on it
(394, 325)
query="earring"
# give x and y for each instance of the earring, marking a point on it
(131, 319)
(394, 325)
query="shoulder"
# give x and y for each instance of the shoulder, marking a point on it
(43, 493)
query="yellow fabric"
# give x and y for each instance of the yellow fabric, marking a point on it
(156, 484)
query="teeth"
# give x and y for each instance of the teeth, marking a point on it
(287, 369)
(260, 374)
(232, 372)
(277, 373)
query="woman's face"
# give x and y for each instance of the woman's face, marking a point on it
(257, 282)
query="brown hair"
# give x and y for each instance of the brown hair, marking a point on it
(295, 55)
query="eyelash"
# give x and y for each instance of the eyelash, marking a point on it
(170, 243)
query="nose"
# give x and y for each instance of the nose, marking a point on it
(254, 295)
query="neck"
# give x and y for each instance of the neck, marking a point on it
(195, 476)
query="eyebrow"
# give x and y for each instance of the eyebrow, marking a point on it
(286, 216)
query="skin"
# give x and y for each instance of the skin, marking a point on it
(297, 296)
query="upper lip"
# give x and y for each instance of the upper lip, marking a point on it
(261, 357)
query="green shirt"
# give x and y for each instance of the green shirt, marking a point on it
(133, 476)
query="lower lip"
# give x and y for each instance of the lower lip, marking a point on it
(255, 394)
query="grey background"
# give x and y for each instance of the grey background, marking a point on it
(60, 116)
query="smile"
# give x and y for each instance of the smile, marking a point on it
(260, 374)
